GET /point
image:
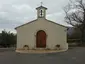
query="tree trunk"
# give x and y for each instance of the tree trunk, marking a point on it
(82, 36)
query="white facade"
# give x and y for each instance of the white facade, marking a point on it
(56, 34)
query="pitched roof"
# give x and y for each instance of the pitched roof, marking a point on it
(41, 7)
(56, 23)
(26, 23)
(36, 19)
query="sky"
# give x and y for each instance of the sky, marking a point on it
(14, 13)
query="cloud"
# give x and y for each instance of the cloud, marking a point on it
(14, 15)
(56, 17)
(16, 12)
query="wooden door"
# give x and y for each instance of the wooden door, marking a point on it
(41, 39)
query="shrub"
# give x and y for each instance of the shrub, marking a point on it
(58, 46)
(26, 47)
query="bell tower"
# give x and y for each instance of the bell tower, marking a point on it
(41, 11)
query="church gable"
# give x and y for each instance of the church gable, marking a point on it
(56, 23)
(40, 22)
(41, 16)
(25, 24)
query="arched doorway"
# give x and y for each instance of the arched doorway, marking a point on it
(41, 39)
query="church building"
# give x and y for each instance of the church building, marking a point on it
(42, 33)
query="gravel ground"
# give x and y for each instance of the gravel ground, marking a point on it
(72, 56)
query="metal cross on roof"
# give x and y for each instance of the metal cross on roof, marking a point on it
(41, 3)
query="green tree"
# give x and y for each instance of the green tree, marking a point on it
(7, 39)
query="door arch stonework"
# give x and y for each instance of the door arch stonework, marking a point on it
(41, 39)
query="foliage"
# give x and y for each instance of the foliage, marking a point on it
(7, 39)
(58, 45)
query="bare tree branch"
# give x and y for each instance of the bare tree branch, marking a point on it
(77, 18)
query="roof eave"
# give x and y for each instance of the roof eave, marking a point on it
(57, 23)
(25, 24)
